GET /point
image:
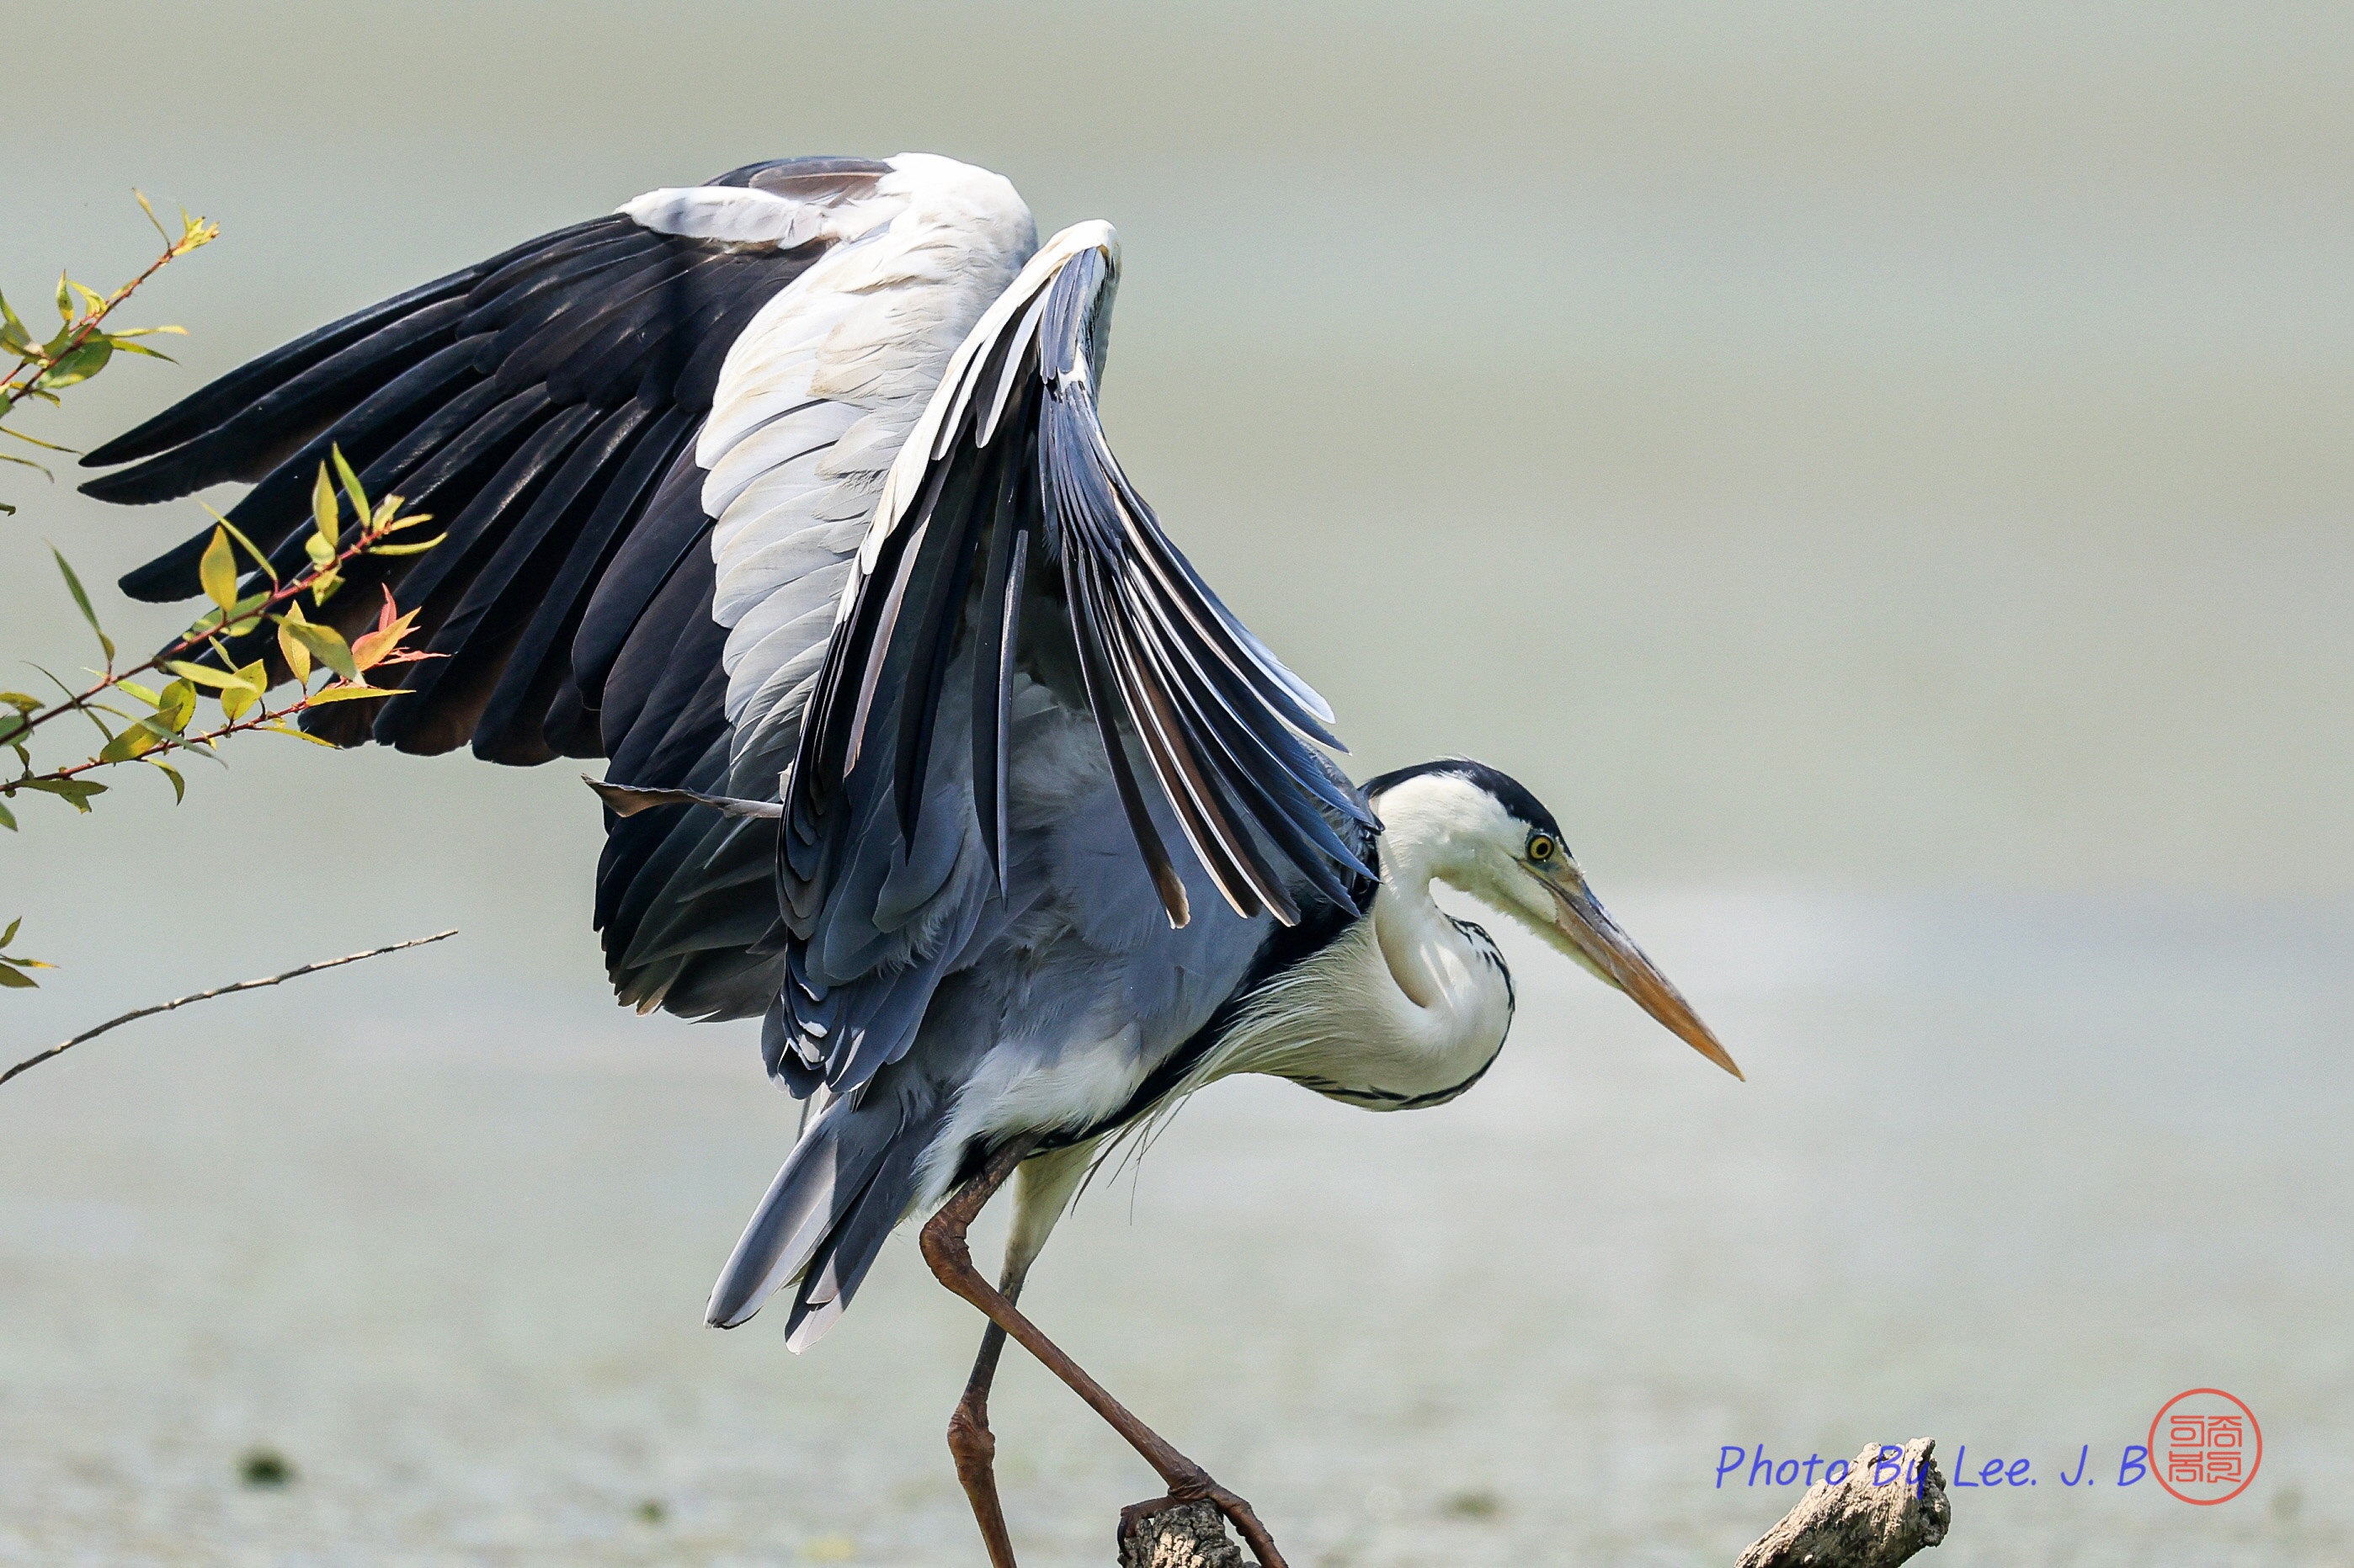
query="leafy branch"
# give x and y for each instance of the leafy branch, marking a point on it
(200, 663)
(13, 965)
(81, 347)
(136, 721)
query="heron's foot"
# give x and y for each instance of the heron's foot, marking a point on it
(974, 1448)
(1196, 1487)
(972, 1444)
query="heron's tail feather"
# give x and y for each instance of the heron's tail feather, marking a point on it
(834, 1273)
(846, 1184)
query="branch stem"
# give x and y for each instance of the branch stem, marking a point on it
(37, 1058)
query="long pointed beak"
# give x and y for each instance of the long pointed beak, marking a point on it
(1615, 956)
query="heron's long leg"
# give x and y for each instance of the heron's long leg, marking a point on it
(945, 1250)
(971, 1442)
(975, 1447)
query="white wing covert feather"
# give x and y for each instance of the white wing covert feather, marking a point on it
(814, 403)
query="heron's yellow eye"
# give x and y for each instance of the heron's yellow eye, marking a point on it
(1541, 849)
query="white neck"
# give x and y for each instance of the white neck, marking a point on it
(1423, 949)
(1403, 1009)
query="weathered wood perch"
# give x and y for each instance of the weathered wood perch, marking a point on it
(1884, 1511)
(1183, 1535)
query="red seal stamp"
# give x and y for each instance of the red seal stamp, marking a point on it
(2205, 1446)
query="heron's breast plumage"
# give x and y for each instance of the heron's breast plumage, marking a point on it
(1342, 1023)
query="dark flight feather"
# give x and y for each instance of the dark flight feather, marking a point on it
(1183, 700)
(542, 406)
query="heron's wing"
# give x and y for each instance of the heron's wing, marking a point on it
(538, 403)
(1008, 538)
(575, 413)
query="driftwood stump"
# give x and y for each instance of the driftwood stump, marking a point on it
(1891, 1504)
(1182, 1535)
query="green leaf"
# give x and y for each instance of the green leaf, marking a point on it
(76, 791)
(78, 364)
(322, 516)
(176, 708)
(195, 231)
(258, 558)
(143, 694)
(73, 584)
(7, 820)
(238, 692)
(299, 735)
(136, 740)
(179, 785)
(220, 571)
(12, 330)
(351, 486)
(65, 302)
(297, 653)
(79, 706)
(198, 673)
(407, 549)
(254, 680)
(346, 693)
(213, 620)
(326, 644)
(34, 442)
(23, 700)
(122, 344)
(15, 981)
(9, 935)
(12, 726)
(141, 197)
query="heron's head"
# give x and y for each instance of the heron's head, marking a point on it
(1479, 831)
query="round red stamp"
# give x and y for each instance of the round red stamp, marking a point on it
(2205, 1446)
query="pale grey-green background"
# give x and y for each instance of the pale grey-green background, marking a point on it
(1880, 472)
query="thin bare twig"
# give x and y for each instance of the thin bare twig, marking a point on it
(219, 991)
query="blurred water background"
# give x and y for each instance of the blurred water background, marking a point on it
(1880, 472)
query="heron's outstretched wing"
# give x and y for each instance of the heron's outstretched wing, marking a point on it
(654, 439)
(1008, 539)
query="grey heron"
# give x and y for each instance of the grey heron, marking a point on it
(786, 496)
